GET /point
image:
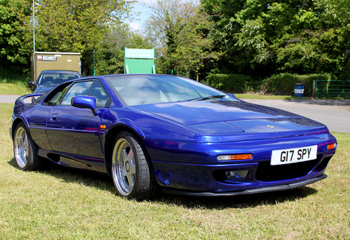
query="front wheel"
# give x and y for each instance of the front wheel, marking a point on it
(131, 171)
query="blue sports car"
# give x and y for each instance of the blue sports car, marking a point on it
(170, 133)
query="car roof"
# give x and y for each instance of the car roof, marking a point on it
(59, 71)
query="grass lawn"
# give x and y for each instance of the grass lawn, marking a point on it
(17, 88)
(61, 204)
(257, 96)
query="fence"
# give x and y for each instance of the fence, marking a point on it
(331, 88)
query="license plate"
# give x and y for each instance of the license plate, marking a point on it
(293, 155)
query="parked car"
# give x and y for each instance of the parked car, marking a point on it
(151, 132)
(49, 79)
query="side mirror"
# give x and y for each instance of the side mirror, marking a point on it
(31, 83)
(85, 102)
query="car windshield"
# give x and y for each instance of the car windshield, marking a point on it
(51, 78)
(148, 89)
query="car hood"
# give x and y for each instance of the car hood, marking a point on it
(228, 117)
(44, 88)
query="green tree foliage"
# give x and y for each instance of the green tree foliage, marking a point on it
(263, 37)
(110, 55)
(180, 31)
(12, 52)
(66, 26)
(340, 9)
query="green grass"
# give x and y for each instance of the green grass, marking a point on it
(18, 88)
(13, 83)
(258, 96)
(281, 97)
(68, 204)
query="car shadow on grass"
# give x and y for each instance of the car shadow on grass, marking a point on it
(71, 175)
(242, 201)
(104, 182)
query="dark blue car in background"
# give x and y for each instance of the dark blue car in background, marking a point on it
(152, 132)
(49, 79)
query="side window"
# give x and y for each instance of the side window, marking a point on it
(78, 89)
(56, 97)
(100, 95)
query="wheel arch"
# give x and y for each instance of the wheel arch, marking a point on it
(15, 124)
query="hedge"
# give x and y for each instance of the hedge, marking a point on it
(284, 83)
(231, 82)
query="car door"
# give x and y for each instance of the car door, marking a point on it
(74, 130)
(36, 118)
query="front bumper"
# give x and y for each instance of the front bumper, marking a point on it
(193, 167)
(211, 178)
(248, 191)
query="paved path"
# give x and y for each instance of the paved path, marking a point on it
(334, 113)
(8, 98)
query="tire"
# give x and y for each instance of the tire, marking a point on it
(25, 150)
(132, 172)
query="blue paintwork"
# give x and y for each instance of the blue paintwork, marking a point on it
(182, 139)
(84, 102)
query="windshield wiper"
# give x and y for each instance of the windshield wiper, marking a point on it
(206, 98)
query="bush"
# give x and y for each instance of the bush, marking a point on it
(284, 83)
(231, 82)
(11, 76)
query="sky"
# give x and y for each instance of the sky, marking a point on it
(141, 7)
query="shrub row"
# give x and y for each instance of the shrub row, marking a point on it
(232, 82)
(12, 76)
(283, 83)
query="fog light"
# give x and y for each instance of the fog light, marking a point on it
(236, 174)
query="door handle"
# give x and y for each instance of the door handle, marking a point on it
(53, 117)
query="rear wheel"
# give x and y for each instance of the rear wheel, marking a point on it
(24, 150)
(131, 171)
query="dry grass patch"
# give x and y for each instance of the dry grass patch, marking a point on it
(67, 204)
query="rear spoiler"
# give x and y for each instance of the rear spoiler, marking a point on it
(26, 99)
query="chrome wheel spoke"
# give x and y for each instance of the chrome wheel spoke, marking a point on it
(124, 169)
(21, 147)
(130, 175)
(130, 156)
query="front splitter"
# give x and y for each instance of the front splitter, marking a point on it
(248, 191)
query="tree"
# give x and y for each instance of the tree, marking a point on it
(110, 54)
(180, 31)
(73, 25)
(339, 34)
(263, 37)
(12, 52)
